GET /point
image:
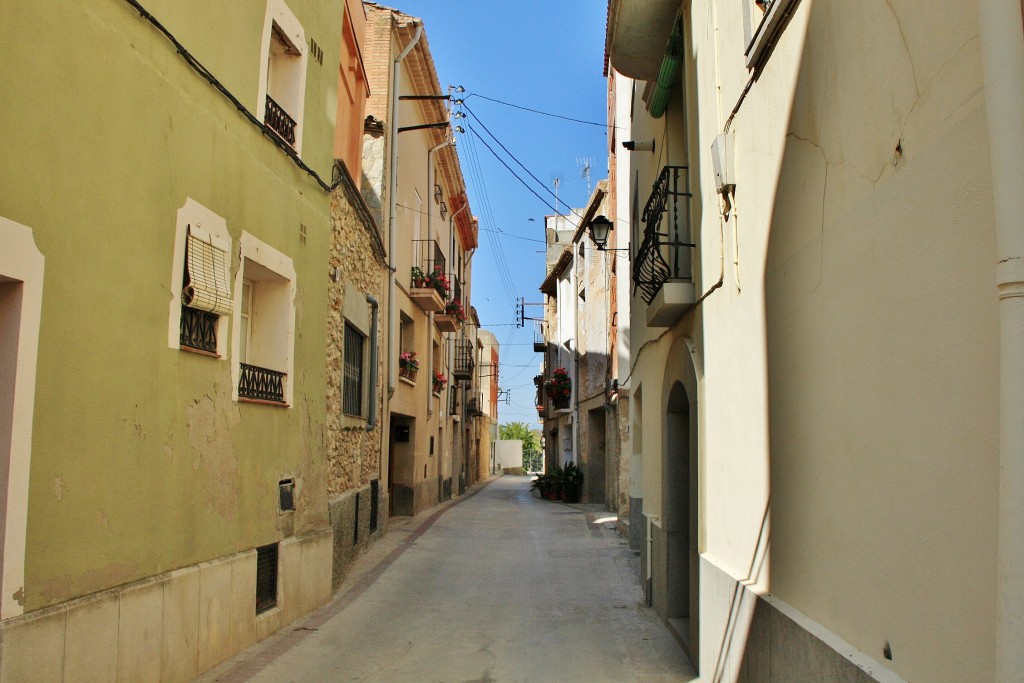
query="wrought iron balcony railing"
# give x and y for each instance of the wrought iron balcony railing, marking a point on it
(277, 120)
(261, 384)
(664, 252)
(198, 329)
(427, 258)
(464, 363)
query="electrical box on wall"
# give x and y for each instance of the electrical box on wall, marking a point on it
(721, 163)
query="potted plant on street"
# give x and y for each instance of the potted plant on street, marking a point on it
(572, 483)
(408, 365)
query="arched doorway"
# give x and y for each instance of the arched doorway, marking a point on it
(679, 520)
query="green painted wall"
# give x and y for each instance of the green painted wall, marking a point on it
(141, 461)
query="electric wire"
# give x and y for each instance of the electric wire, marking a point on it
(513, 157)
(538, 111)
(208, 76)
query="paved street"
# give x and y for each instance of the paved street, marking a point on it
(497, 586)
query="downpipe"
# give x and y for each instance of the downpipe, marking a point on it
(1002, 46)
(371, 421)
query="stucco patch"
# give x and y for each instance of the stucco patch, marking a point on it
(209, 431)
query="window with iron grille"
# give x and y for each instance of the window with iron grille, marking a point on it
(352, 387)
(205, 292)
(266, 578)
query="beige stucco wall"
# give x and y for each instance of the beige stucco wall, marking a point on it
(134, 441)
(856, 256)
(884, 448)
(847, 365)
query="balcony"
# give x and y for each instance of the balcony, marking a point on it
(277, 120)
(429, 286)
(539, 344)
(260, 384)
(662, 266)
(464, 363)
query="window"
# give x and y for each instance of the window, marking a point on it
(266, 578)
(200, 282)
(352, 387)
(21, 298)
(264, 324)
(283, 74)
(206, 291)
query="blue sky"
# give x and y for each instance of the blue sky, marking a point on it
(546, 56)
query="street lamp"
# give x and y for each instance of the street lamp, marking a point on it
(599, 229)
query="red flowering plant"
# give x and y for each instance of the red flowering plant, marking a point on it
(454, 308)
(559, 387)
(439, 281)
(408, 365)
(439, 382)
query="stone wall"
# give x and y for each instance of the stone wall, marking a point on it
(354, 453)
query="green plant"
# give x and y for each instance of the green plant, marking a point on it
(572, 482)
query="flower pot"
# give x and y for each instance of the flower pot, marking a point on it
(408, 373)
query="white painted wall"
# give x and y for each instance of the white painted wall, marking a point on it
(508, 453)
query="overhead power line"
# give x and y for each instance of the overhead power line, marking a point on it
(513, 157)
(538, 111)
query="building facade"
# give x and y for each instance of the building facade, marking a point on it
(165, 460)
(430, 235)
(817, 489)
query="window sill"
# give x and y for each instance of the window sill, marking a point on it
(257, 401)
(410, 382)
(199, 352)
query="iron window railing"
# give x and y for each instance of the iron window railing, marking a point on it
(261, 384)
(198, 330)
(352, 389)
(664, 252)
(277, 120)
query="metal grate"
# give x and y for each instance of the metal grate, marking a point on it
(261, 384)
(664, 253)
(464, 362)
(277, 120)
(198, 330)
(352, 389)
(266, 578)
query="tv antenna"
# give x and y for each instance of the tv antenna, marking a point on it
(585, 164)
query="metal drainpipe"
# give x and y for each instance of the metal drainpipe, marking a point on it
(371, 421)
(396, 74)
(428, 386)
(1002, 47)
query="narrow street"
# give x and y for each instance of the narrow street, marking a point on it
(496, 586)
